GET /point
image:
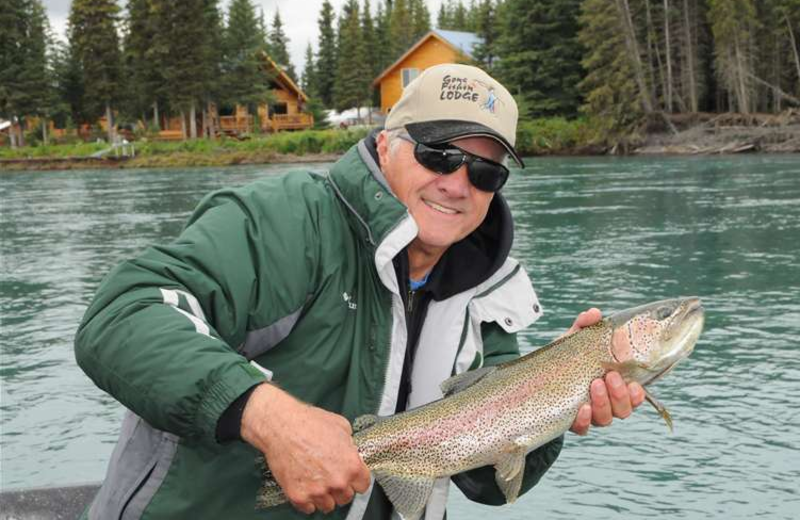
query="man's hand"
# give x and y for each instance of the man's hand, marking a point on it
(610, 397)
(309, 450)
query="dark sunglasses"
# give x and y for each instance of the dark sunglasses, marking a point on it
(444, 159)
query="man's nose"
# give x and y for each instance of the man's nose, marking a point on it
(455, 184)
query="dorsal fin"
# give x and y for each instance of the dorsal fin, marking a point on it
(365, 421)
(463, 381)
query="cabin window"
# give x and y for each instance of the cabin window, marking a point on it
(279, 109)
(409, 75)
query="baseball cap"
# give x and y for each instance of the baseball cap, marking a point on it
(453, 101)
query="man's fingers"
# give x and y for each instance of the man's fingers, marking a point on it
(620, 396)
(362, 479)
(585, 319)
(325, 503)
(637, 393)
(601, 405)
(344, 496)
(583, 420)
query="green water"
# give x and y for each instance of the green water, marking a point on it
(592, 232)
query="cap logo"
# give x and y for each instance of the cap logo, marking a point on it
(472, 91)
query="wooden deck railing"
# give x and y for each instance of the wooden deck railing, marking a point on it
(299, 121)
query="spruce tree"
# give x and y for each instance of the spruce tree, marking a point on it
(733, 24)
(541, 55)
(401, 28)
(68, 78)
(459, 16)
(245, 81)
(488, 30)
(421, 19)
(370, 43)
(24, 73)
(611, 93)
(95, 42)
(37, 75)
(144, 67)
(279, 46)
(443, 17)
(326, 55)
(352, 75)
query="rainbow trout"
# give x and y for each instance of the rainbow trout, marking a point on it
(496, 415)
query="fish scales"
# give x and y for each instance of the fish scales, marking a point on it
(496, 415)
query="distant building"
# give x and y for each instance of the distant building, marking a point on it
(434, 48)
(284, 113)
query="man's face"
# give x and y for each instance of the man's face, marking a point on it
(446, 208)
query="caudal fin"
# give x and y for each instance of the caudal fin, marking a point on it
(270, 493)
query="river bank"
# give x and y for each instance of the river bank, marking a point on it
(691, 134)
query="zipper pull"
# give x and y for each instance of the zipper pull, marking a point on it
(411, 294)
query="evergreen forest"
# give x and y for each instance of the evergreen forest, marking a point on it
(616, 62)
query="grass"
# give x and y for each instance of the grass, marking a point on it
(549, 136)
(206, 151)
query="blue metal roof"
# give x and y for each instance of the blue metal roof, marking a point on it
(463, 41)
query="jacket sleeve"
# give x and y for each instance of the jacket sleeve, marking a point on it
(161, 333)
(479, 484)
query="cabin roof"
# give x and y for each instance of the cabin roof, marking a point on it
(463, 42)
(283, 79)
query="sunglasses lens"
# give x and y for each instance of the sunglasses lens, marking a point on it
(487, 176)
(484, 175)
(437, 159)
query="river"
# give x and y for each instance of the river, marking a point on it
(602, 232)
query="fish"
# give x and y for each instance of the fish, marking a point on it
(496, 415)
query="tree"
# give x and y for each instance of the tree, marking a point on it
(421, 19)
(68, 79)
(401, 29)
(351, 88)
(279, 46)
(541, 55)
(487, 28)
(144, 64)
(246, 82)
(369, 39)
(95, 43)
(611, 94)
(383, 47)
(25, 75)
(733, 25)
(326, 55)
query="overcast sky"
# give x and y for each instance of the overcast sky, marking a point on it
(299, 19)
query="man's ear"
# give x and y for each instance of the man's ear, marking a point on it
(382, 145)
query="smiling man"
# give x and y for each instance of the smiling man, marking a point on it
(291, 306)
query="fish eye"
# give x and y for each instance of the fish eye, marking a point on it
(662, 313)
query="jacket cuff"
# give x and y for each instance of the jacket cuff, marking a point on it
(219, 398)
(229, 426)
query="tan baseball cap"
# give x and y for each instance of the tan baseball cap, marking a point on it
(452, 101)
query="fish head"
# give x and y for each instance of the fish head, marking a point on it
(656, 336)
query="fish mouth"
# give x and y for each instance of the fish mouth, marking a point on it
(689, 328)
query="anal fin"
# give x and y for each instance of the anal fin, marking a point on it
(407, 493)
(509, 472)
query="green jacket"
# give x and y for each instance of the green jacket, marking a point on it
(289, 278)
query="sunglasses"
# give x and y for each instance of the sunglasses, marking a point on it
(444, 159)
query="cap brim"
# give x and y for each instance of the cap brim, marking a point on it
(438, 132)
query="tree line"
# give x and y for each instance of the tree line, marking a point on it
(617, 61)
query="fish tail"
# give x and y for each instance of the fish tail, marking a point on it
(270, 494)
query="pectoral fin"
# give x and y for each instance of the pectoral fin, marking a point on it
(660, 408)
(408, 494)
(509, 472)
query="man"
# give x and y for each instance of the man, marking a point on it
(356, 292)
